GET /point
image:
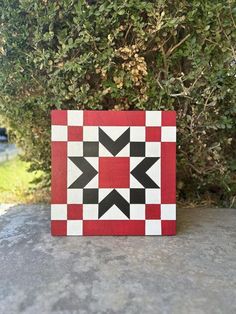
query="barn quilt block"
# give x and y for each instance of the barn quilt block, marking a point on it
(113, 172)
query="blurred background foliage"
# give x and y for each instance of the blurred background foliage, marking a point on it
(127, 55)
(16, 184)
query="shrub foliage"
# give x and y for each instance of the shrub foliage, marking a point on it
(126, 55)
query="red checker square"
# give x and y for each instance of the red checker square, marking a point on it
(59, 117)
(74, 211)
(168, 227)
(114, 172)
(153, 134)
(168, 118)
(153, 211)
(59, 227)
(75, 133)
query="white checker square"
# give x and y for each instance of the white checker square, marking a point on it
(74, 196)
(168, 211)
(153, 118)
(74, 227)
(90, 133)
(153, 196)
(153, 149)
(75, 117)
(137, 211)
(137, 134)
(59, 133)
(90, 211)
(168, 134)
(153, 227)
(75, 149)
(58, 212)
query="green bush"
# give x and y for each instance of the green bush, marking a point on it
(126, 55)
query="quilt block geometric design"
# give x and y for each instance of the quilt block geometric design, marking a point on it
(113, 173)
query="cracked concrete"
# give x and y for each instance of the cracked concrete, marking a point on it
(193, 272)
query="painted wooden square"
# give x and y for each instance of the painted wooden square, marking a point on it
(113, 173)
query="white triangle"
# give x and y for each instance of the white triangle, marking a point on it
(93, 161)
(114, 131)
(124, 193)
(135, 183)
(134, 161)
(103, 152)
(73, 172)
(114, 213)
(125, 152)
(93, 183)
(103, 193)
(155, 172)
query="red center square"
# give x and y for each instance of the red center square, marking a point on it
(114, 172)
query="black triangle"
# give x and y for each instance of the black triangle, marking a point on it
(88, 172)
(116, 146)
(139, 172)
(114, 198)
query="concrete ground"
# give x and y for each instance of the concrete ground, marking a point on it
(193, 272)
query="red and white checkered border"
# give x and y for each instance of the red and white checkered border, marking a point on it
(158, 219)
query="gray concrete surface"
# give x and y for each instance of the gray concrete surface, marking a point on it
(193, 272)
